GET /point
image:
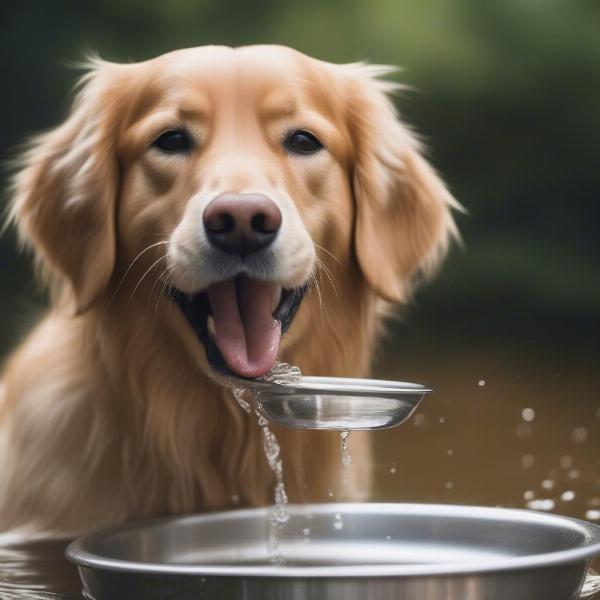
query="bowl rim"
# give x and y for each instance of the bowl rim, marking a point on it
(79, 551)
(333, 386)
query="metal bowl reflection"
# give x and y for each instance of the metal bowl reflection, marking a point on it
(339, 403)
(380, 551)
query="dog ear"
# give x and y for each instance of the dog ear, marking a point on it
(403, 210)
(65, 196)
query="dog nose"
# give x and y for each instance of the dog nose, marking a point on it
(241, 223)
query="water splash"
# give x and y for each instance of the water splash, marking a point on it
(279, 515)
(344, 449)
(528, 414)
(545, 504)
(579, 435)
(338, 523)
(527, 461)
(283, 374)
(566, 462)
(238, 394)
(272, 450)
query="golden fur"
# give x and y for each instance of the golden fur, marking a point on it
(109, 410)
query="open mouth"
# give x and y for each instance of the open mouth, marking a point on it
(240, 321)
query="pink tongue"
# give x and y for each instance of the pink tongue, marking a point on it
(245, 331)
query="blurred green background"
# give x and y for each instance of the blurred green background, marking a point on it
(507, 95)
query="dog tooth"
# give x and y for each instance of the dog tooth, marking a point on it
(210, 324)
(276, 298)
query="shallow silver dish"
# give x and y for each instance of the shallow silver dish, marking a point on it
(338, 403)
(380, 551)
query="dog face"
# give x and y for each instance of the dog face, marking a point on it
(226, 173)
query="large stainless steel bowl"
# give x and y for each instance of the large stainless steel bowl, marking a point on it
(343, 552)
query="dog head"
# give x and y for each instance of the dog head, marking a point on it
(220, 176)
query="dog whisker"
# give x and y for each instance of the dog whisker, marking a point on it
(137, 285)
(327, 273)
(120, 284)
(167, 277)
(337, 260)
(160, 291)
(313, 282)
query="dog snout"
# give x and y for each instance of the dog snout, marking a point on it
(241, 223)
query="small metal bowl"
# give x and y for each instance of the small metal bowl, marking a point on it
(342, 552)
(338, 403)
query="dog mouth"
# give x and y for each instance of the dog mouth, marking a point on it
(240, 321)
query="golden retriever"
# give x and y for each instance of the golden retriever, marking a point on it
(203, 213)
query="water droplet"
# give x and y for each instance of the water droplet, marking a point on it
(442, 420)
(235, 499)
(393, 470)
(592, 515)
(528, 414)
(548, 484)
(528, 495)
(566, 462)
(523, 430)
(567, 496)
(481, 382)
(418, 420)
(388, 537)
(594, 502)
(330, 494)
(339, 522)
(574, 474)
(541, 504)
(238, 394)
(449, 485)
(450, 452)
(528, 461)
(306, 531)
(579, 435)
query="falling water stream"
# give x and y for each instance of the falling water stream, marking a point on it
(283, 374)
(344, 449)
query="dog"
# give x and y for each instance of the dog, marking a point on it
(199, 215)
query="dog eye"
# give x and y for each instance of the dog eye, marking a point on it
(302, 142)
(174, 141)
